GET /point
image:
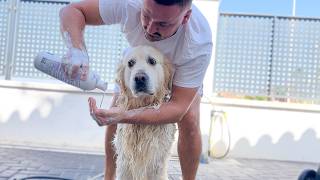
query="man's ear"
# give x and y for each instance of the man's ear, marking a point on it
(187, 16)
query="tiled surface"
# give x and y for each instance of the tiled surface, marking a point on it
(19, 163)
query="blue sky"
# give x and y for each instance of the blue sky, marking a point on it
(304, 8)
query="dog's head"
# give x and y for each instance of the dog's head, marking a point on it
(144, 72)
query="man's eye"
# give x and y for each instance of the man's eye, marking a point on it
(131, 63)
(163, 25)
(152, 61)
(145, 16)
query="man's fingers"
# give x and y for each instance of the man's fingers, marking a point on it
(92, 105)
(65, 69)
(83, 77)
(101, 116)
(97, 114)
(98, 121)
(93, 111)
(74, 71)
(84, 72)
(101, 113)
(89, 103)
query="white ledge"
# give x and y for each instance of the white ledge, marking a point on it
(46, 85)
(216, 101)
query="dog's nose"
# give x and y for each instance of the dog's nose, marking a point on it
(141, 78)
(141, 82)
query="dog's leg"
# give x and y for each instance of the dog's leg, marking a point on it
(123, 172)
(163, 176)
(160, 173)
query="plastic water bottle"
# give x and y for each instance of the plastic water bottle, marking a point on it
(51, 65)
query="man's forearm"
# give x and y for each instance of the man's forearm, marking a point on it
(167, 113)
(72, 23)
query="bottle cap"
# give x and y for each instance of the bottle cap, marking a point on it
(102, 85)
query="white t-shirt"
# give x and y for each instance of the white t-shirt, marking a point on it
(189, 49)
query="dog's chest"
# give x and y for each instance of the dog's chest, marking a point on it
(139, 140)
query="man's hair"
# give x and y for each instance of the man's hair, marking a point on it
(181, 3)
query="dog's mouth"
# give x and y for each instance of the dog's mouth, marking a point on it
(143, 94)
(141, 89)
(141, 84)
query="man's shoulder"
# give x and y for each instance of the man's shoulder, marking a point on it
(198, 37)
(118, 11)
(198, 29)
(136, 4)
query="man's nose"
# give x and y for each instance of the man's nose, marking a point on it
(151, 28)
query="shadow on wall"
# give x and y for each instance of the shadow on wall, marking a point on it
(68, 125)
(307, 148)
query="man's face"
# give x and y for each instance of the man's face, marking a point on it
(160, 22)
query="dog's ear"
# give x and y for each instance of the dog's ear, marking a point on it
(120, 78)
(122, 100)
(168, 74)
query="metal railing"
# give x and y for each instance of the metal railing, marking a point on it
(271, 56)
(30, 26)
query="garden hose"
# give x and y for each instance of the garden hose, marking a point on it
(222, 117)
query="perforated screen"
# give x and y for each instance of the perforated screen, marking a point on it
(38, 30)
(269, 56)
(3, 33)
(296, 61)
(105, 46)
(243, 54)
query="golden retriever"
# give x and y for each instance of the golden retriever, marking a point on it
(143, 151)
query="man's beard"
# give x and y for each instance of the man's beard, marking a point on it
(153, 37)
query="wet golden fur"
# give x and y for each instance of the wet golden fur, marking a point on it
(143, 151)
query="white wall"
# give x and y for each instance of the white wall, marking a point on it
(31, 115)
(55, 116)
(270, 130)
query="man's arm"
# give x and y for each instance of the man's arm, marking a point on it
(168, 112)
(75, 16)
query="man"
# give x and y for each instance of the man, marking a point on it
(179, 30)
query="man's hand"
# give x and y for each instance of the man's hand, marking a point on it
(76, 62)
(105, 117)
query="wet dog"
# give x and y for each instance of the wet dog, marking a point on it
(144, 77)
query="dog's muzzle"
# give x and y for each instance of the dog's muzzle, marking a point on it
(141, 80)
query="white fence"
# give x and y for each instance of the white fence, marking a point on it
(28, 27)
(270, 56)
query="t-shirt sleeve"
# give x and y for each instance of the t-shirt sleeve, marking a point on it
(123, 12)
(191, 73)
(112, 11)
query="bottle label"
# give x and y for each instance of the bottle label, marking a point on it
(55, 69)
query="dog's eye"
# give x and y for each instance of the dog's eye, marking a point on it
(152, 61)
(131, 62)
